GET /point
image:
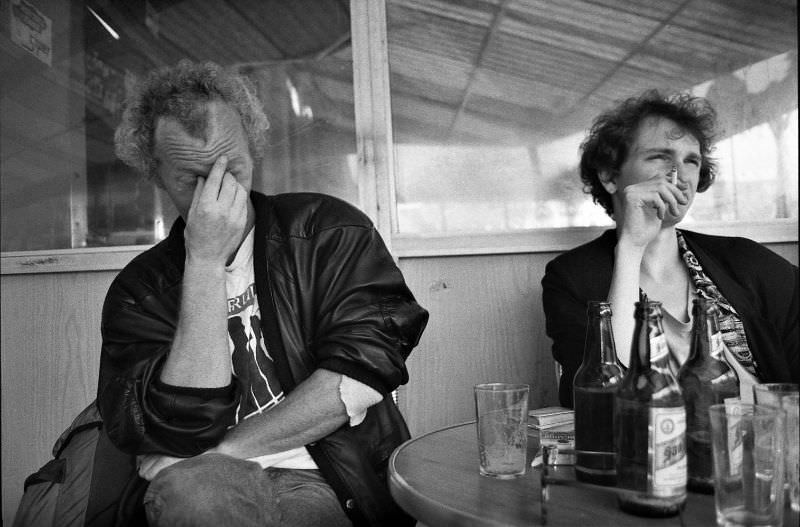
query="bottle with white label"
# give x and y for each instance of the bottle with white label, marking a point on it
(650, 422)
(706, 378)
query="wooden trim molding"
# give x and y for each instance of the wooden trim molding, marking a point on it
(373, 114)
(69, 260)
(403, 246)
(563, 239)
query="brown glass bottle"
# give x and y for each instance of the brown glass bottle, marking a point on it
(594, 386)
(650, 422)
(705, 379)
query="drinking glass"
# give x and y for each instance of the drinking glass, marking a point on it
(502, 422)
(791, 405)
(784, 396)
(771, 393)
(747, 445)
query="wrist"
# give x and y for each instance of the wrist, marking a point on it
(629, 247)
(209, 266)
(628, 256)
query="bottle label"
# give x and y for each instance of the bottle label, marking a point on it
(658, 348)
(667, 451)
(717, 345)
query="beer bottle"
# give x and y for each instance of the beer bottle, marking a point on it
(594, 386)
(705, 379)
(650, 422)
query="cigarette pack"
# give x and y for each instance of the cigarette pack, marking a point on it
(550, 416)
(558, 435)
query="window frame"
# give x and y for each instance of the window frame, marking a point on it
(376, 175)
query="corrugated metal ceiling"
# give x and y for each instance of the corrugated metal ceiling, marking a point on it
(542, 64)
(464, 69)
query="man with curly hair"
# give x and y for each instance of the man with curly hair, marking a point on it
(248, 359)
(644, 161)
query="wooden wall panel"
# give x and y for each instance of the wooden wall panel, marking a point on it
(486, 325)
(50, 358)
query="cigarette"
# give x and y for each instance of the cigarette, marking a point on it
(673, 175)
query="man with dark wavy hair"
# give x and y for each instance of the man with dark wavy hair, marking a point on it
(644, 161)
(248, 359)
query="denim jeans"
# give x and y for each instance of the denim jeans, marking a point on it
(217, 490)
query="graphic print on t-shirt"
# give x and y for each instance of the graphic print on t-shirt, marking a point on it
(251, 363)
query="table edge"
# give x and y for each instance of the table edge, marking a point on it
(439, 513)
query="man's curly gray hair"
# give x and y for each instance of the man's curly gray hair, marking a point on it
(182, 92)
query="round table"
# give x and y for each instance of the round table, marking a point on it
(435, 478)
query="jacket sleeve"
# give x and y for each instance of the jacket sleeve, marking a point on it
(140, 413)
(778, 297)
(365, 321)
(791, 327)
(565, 324)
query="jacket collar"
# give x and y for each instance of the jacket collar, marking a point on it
(265, 225)
(722, 278)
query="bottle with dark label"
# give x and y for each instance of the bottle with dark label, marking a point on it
(594, 387)
(705, 379)
(650, 422)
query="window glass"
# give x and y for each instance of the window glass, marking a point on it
(492, 99)
(68, 65)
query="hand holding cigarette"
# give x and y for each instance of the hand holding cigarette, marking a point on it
(673, 175)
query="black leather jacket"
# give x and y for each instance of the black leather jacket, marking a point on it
(328, 286)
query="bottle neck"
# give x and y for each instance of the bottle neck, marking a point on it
(600, 347)
(608, 350)
(649, 347)
(706, 343)
(699, 350)
(640, 347)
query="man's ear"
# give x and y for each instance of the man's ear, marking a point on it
(608, 178)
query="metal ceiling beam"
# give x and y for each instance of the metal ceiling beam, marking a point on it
(487, 40)
(251, 22)
(632, 53)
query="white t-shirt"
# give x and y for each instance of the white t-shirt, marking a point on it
(254, 368)
(679, 334)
